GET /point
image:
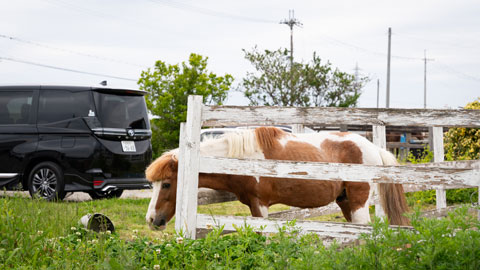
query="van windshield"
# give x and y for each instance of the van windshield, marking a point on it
(121, 110)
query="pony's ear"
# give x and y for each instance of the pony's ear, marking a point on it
(162, 168)
(267, 137)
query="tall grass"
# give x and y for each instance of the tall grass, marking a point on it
(40, 235)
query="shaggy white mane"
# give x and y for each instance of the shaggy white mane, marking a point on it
(238, 144)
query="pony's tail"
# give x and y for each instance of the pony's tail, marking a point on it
(392, 196)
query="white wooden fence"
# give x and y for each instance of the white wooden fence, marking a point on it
(435, 175)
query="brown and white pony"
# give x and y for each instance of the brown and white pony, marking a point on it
(261, 192)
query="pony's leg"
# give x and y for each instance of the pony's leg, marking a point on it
(344, 205)
(258, 209)
(357, 197)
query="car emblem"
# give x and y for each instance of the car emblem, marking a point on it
(130, 132)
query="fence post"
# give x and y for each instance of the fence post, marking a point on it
(438, 156)
(298, 128)
(188, 167)
(380, 140)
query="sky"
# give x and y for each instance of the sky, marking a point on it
(84, 42)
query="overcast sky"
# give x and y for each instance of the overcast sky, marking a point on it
(120, 38)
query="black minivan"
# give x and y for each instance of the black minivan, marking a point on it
(59, 139)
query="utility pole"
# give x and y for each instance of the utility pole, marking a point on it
(291, 22)
(425, 59)
(357, 75)
(388, 65)
(378, 93)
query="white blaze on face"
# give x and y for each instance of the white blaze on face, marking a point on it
(151, 213)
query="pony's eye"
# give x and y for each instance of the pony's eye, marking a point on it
(166, 185)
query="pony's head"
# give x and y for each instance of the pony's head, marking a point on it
(163, 175)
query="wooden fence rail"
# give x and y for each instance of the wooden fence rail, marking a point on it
(434, 176)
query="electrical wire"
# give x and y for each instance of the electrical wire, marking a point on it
(368, 51)
(458, 73)
(210, 12)
(65, 69)
(95, 13)
(68, 51)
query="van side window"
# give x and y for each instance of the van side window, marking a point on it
(15, 107)
(60, 105)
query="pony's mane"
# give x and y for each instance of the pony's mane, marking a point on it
(267, 137)
(246, 142)
(163, 167)
(240, 144)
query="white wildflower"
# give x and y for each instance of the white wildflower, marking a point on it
(156, 267)
(180, 240)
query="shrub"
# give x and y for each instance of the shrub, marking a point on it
(463, 143)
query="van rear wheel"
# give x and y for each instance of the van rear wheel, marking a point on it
(46, 181)
(98, 194)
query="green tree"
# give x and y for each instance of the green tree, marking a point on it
(463, 143)
(168, 87)
(278, 82)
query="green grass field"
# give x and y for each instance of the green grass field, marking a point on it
(35, 234)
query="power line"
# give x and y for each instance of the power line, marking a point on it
(68, 51)
(457, 72)
(65, 69)
(209, 12)
(103, 15)
(365, 50)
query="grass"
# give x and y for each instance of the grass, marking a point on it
(39, 235)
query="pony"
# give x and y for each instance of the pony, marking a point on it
(258, 193)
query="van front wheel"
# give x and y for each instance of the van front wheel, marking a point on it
(98, 195)
(46, 181)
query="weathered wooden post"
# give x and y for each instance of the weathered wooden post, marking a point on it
(380, 140)
(439, 156)
(298, 128)
(188, 167)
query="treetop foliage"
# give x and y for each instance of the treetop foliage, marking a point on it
(279, 82)
(168, 88)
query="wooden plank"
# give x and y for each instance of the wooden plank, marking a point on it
(180, 179)
(415, 188)
(303, 213)
(298, 128)
(434, 177)
(406, 145)
(188, 172)
(329, 230)
(209, 196)
(380, 140)
(244, 115)
(439, 156)
(461, 164)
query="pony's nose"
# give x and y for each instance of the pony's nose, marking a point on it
(159, 222)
